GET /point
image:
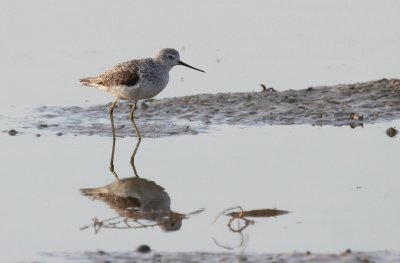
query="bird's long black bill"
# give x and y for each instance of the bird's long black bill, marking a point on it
(186, 65)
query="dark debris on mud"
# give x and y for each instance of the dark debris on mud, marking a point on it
(346, 104)
(297, 257)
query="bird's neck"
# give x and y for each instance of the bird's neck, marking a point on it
(162, 65)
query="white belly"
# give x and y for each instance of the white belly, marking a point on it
(142, 90)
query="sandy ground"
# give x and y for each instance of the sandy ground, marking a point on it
(345, 257)
(350, 104)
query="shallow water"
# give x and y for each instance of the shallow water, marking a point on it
(339, 185)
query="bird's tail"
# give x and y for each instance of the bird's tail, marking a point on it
(95, 191)
(93, 82)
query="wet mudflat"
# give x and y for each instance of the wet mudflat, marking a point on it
(346, 256)
(347, 104)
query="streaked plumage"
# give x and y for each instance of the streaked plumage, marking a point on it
(135, 80)
(139, 78)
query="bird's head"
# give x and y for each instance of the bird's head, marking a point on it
(170, 58)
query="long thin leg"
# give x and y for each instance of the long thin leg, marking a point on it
(111, 110)
(132, 118)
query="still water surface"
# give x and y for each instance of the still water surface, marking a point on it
(340, 185)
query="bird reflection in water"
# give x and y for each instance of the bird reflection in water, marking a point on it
(239, 220)
(139, 203)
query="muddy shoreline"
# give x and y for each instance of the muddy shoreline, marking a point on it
(344, 104)
(347, 256)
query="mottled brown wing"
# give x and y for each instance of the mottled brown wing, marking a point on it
(127, 78)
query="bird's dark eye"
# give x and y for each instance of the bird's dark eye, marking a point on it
(170, 57)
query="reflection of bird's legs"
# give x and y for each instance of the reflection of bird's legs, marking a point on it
(110, 110)
(133, 158)
(132, 118)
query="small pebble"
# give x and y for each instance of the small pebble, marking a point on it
(355, 116)
(58, 133)
(12, 132)
(391, 132)
(143, 249)
(38, 135)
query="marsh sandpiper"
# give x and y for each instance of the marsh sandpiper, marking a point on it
(135, 80)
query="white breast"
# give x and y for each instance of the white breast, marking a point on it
(150, 87)
(145, 89)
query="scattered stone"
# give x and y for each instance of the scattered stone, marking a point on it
(38, 135)
(143, 249)
(308, 253)
(391, 132)
(58, 133)
(12, 132)
(355, 116)
(42, 126)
